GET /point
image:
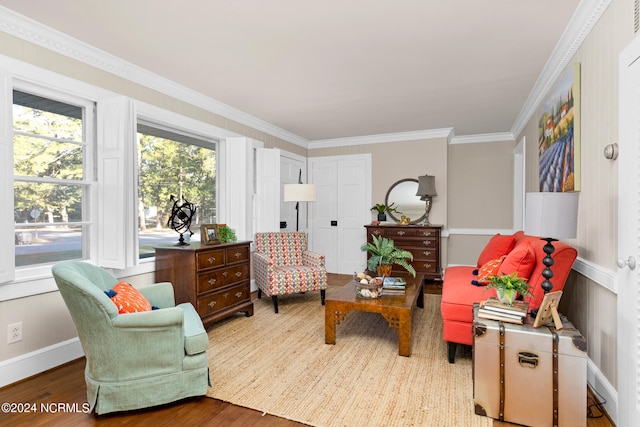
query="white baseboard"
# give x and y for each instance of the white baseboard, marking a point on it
(608, 394)
(30, 364)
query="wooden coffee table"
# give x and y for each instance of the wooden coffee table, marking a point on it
(396, 309)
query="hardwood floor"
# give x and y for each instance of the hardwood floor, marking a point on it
(65, 385)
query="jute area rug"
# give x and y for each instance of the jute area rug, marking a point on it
(279, 364)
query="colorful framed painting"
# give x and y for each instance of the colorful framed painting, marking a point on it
(559, 135)
(209, 234)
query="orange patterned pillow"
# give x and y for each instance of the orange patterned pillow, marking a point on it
(489, 269)
(128, 299)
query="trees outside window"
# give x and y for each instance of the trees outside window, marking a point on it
(172, 164)
(52, 178)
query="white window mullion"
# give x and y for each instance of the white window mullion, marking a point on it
(117, 231)
(7, 260)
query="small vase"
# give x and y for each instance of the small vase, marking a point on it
(384, 270)
(382, 217)
(506, 296)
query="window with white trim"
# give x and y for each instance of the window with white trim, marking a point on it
(173, 167)
(53, 173)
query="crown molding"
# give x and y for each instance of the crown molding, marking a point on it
(586, 16)
(582, 22)
(381, 138)
(34, 32)
(483, 137)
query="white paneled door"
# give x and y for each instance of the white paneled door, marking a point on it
(342, 210)
(629, 238)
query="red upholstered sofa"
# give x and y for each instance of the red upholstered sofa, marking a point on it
(523, 254)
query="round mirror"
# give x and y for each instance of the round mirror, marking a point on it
(403, 194)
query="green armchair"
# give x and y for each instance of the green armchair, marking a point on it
(133, 360)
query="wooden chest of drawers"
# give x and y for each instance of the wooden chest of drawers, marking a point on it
(215, 278)
(422, 241)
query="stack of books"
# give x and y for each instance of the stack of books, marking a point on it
(393, 286)
(493, 309)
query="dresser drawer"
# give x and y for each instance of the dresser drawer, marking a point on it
(214, 279)
(423, 254)
(237, 255)
(418, 242)
(219, 300)
(210, 259)
(425, 266)
(376, 232)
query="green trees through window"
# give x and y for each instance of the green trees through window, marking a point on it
(50, 186)
(170, 164)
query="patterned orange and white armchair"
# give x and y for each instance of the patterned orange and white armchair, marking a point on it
(283, 266)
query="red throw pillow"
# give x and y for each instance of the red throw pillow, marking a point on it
(489, 269)
(521, 260)
(498, 245)
(128, 299)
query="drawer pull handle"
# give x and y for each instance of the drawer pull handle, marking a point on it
(238, 294)
(211, 259)
(212, 281)
(226, 294)
(427, 265)
(237, 255)
(212, 304)
(376, 232)
(426, 253)
(225, 274)
(401, 233)
(426, 233)
(426, 242)
(238, 274)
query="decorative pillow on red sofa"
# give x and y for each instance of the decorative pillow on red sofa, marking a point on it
(521, 259)
(489, 269)
(498, 245)
(128, 299)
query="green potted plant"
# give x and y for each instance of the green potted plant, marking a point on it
(382, 208)
(384, 253)
(226, 234)
(507, 286)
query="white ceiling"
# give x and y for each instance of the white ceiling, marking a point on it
(330, 69)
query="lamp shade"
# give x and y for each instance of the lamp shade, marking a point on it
(300, 193)
(426, 186)
(551, 215)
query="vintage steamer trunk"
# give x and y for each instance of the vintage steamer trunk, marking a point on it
(530, 376)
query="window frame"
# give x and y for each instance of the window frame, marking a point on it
(88, 164)
(176, 126)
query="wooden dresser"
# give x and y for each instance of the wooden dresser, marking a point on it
(214, 278)
(422, 241)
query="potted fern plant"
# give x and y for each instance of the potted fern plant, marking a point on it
(382, 208)
(384, 253)
(508, 286)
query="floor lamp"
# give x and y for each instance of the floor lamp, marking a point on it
(555, 215)
(300, 193)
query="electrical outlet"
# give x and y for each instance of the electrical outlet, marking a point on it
(14, 332)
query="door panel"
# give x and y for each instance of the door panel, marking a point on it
(628, 349)
(342, 210)
(325, 236)
(351, 205)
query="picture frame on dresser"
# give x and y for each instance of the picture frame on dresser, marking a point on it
(209, 234)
